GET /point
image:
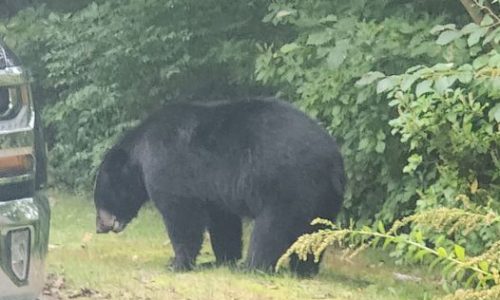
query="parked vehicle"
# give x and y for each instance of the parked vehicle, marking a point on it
(24, 208)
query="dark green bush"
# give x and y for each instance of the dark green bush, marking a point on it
(336, 43)
(103, 68)
(446, 119)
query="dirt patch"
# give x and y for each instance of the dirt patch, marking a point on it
(56, 289)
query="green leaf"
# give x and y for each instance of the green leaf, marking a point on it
(53, 17)
(469, 28)
(329, 19)
(366, 229)
(460, 252)
(369, 77)
(387, 84)
(468, 282)
(475, 36)
(448, 268)
(284, 13)
(387, 242)
(286, 48)
(419, 237)
(494, 62)
(451, 116)
(439, 28)
(487, 21)
(408, 81)
(407, 28)
(380, 135)
(443, 83)
(442, 67)
(442, 252)
(480, 62)
(393, 103)
(319, 38)
(413, 162)
(434, 263)
(338, 54)
(421, 254)
(465, 74)
(363, 144)
(380, 147)
(448, 36)
(380, 227)
(414, 68)
(494, 113)
(424, 87)
(484, 266)
(495, 34)
(459, 273)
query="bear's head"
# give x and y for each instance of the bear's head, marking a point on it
(119, 192)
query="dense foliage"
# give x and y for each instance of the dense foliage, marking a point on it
(336, 43)
(105, 67)
(446, 119)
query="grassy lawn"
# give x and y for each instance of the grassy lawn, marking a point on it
(133, 265)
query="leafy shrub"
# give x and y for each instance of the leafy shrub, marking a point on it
(105, 67)
(447, 118)
(336, 43)
(458, 269)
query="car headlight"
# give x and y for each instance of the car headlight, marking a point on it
(18, 248)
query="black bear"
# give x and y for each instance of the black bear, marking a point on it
(205, 166)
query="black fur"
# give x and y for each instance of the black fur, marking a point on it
(206, 166)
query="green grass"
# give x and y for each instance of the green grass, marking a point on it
(133, 265)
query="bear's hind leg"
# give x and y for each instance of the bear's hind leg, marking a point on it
(302, 268)
(185, 221)
(270, 239)
(225, 235)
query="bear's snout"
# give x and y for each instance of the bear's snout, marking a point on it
(106, 222)
(102, 229)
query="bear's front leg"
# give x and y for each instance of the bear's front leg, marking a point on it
(185, 221)
(225, 235)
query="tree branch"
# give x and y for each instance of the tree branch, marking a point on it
(473, 10)
(477, 10)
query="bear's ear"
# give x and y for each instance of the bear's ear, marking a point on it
(116, 158)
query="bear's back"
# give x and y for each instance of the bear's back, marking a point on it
(247, 122)
(268, 128)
